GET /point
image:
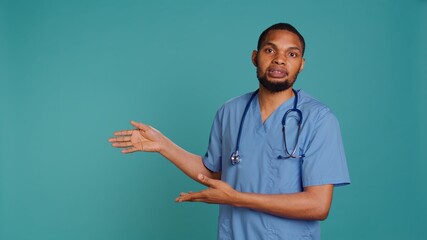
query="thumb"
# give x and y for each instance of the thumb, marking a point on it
(140, 126)
(206, 180)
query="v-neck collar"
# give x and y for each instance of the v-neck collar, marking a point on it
(274, 118)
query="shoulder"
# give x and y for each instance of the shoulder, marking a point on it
(313, 108)
(238, 101)
(235, 104)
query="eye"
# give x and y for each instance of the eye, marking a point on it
(269, 50)
(293, 54)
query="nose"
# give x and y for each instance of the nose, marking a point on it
(279, 60)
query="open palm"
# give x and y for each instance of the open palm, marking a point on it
(143, 138)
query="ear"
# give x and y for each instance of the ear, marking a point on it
(254, 58)
(302, 65)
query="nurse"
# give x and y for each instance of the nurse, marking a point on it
(280, 186)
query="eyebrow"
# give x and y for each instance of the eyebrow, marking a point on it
(275, 46)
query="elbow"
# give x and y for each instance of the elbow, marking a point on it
(320, 201)
(322, 216)
(321, 213)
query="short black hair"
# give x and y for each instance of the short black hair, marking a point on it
(281, 26)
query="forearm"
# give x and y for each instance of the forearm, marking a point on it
(311, 204)
(189, 163)
(148, 139)
(307, 205)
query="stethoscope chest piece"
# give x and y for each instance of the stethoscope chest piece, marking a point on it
(235, 158)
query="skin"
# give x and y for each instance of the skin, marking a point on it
(279, 59)
(281, 51)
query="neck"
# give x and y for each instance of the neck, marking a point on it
(269, 101)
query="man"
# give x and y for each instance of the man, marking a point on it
(274, 155)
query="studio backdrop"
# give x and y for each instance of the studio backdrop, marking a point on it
(73, 72)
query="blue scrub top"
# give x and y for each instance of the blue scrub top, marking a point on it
(260, 169)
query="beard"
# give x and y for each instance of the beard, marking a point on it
(275, 87)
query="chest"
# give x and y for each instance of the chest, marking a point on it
(260, 168)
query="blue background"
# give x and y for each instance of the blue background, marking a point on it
(73, 72)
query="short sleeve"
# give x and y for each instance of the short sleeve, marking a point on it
(213, 156)
(324, 161)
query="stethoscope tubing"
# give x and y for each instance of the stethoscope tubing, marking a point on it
(235, 157)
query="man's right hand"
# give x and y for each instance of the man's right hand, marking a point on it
(148, 139)
(143, 138)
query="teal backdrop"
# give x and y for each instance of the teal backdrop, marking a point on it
(73, 72)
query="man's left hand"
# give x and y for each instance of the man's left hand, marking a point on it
(219, 192)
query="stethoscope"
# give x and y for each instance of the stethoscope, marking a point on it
(235, 157)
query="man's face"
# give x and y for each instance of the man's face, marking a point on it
(279, 60)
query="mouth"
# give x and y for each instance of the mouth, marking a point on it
(277, 72)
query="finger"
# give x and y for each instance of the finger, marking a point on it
(141, 126)
(122, 144)
(191, 197)
(185, 193)
(119, 139)
(130, 150)
(123, 133)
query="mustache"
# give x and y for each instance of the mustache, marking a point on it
(275, 87)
